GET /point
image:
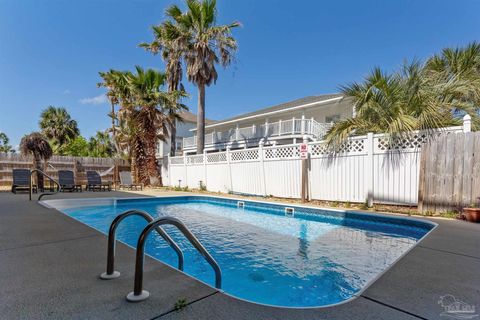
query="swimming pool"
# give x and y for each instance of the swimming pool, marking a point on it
(313, 258)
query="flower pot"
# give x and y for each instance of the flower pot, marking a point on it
(472, 214)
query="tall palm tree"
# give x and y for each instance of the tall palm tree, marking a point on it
(58, 126)
(115, 83)
(165, 42)
(35, 144)
(194, 37)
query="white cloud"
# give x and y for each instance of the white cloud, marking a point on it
(66, 91)
(101, 99)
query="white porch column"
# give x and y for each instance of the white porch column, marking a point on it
(237, 133)
(302, 128)
(266, 128)
(293, 125)
(280, 127)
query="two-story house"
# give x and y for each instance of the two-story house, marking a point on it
(286, 123)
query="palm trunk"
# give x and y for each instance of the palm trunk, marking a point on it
(37, 162)
(201, 119)
(114, 134)
(173, 138)
(155, 178)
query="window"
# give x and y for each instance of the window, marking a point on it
(178, 146)
(332, 118)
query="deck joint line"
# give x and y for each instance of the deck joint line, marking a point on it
(49, 242)
(393, 307)
(192, 302)
(450, 252)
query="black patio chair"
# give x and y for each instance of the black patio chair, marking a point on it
(21, 181)
(66, 179)
(94, 182)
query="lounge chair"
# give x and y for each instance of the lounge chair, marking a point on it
(21, 180)
(94, 182)
(126, 181)
(67, 180)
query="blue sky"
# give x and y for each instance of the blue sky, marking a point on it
(51, 50)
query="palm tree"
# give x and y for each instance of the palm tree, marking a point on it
(461, 65)
(194, 37)
(35, 144)
(101, 145)
(164, 42)
(152, 123)
(4, 143)
(399, 103)
(58, 126)
(114, 81)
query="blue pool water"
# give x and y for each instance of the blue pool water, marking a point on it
(316, 258)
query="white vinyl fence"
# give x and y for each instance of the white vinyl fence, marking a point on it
(364, 167)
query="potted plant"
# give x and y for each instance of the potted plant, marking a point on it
(472, 214)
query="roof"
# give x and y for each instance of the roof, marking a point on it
(191, 117)
(286, 105)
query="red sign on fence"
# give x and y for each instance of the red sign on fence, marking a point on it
(303, 151)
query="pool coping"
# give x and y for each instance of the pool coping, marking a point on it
(434, 225)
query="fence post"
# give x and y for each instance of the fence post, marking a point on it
(229, 168)
(262, 168)
(185, 168)
(467, 123)
(205, 167)
(370, 165)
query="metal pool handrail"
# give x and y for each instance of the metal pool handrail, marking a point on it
(43, 194)
(138, 293)
(111, 273)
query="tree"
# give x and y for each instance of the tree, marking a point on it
(58, 126)
(35, 144)
(77, 147)
(101, 145)
(152, 124)
(194, 38)
(4, 143)
(165, 42)
(399, 103)
(142, 117)
(461, 65)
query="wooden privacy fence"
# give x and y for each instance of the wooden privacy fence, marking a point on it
(450, 173)
(79, 165)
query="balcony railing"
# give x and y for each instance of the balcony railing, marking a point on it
(275, 129)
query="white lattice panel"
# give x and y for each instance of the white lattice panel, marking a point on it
(355, 146)
(413, 141)
(216, 157)
(288, 152)
(196, 159)
(244, 155)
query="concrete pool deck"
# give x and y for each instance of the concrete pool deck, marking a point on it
(49, 267)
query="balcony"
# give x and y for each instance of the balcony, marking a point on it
(280, 129)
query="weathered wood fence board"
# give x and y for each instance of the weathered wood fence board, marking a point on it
(79, 165)
(451, 172)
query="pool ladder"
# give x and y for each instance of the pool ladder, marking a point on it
(138, 294)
